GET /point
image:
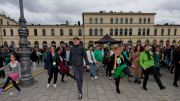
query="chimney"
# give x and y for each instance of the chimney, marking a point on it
(79, 23)
(67, 22)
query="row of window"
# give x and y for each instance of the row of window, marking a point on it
(115, 32)
(44, 32)
(162, 32)
(99, 32)
(1, 22)
(45, 43)
(119, 21)
(61, 32)
(144, 31)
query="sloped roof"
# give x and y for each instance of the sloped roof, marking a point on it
(107, 39)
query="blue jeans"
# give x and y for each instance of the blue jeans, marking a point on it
(92, 70)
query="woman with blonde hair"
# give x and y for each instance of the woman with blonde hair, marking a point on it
(119, 66)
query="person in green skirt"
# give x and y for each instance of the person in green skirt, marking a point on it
(117, 59)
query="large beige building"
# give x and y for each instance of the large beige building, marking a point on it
(128, 27)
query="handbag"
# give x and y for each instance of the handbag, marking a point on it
(63, 68)
(14, 76)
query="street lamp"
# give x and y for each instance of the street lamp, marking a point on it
(24, 51)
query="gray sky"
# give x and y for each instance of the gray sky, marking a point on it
(58, 11)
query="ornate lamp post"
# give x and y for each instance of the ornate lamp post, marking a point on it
(24, 51)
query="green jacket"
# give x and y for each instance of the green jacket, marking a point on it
(145, 62)
(98, 55)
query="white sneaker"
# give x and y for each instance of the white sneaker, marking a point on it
(11, 93)
(48, 85)
(55, 85)
(100, 74)
(110, 78)
(92, 78)
(95, 77)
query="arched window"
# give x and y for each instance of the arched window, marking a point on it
(70, 32)
(155, 32)
(35, 32)
(147, 42)
(80, 32)
(4, 32)
(96, 20)
(144, 20)
(53, 43)
(139, 31)
(36, 44)
(161, 43)
(111, 21)
(148, 31)
(91, 42)
(122, 21)
(121, 32)
(139, 42)
(90, 20)
(96, 32)
(111, 31)
(117, 20)
(44, 44)
(144, 31)
(90, 32)
(130, 31)
(52, 32)
(12, 32)
(140, 20)
(13, 43)
(169, 31)
(44, 32)
(125, 31)
(101, 32)
(131, 20)
(61, 32)
(162, 32)
(130, 42)
(27, 32)
(7, 23)
(149, 20)
(101, 20)
(154, 42)
(175, 31)
(126, 20)
(1, 21)
(174, 42)
(5, 43)
(116, 32)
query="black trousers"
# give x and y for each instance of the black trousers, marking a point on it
(155, 75)
(177, 73)
(117, 81)
(109, 69)
(13, 82)
(53, 72)
(2, 74)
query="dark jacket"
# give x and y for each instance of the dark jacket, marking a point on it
(34, 56)
(1, 59)
(176, 56)
(77, 54)
(50, 61)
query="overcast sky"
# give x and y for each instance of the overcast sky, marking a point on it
(58, 11)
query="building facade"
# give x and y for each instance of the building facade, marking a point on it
(127, 27)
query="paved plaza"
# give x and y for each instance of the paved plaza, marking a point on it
(101, 89)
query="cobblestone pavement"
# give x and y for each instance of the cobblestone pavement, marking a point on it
(101, 89)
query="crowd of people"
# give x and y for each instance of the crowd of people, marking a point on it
(136, 62)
